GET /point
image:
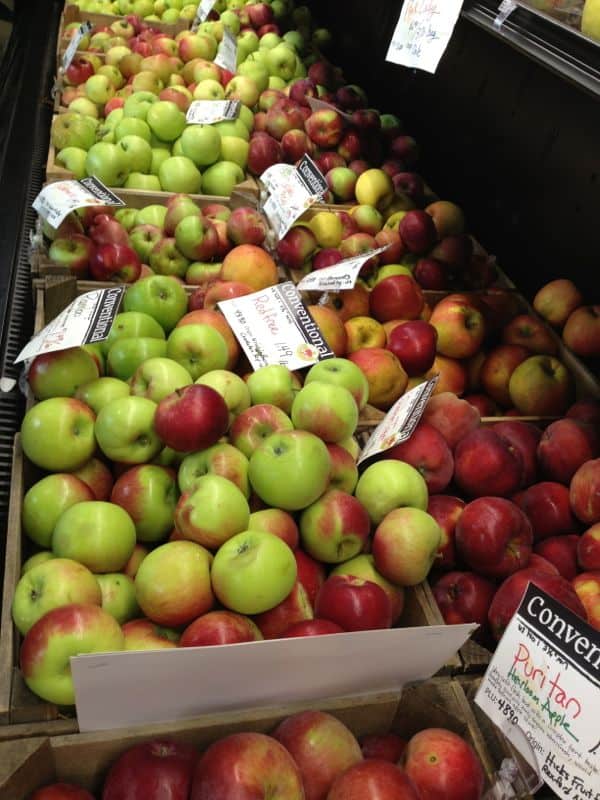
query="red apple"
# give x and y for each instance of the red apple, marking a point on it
(584, 492)
(431, 274)
(413, 343)
(277, 522)
(523, 438)
(325, 128)
(446, 511)
(538, 562)
(585, 411)
(498, 366)
(311, 574)
(263, 152)
(395, 246)
(296, 247)
(561, 551)
(546, 505)
(354, 604)
(531, 333)
(588, 549)
(373, 779)
(418, 231)
(246, 226)
(104, 229)
(486, 465)
(582, 332)
(301, 90)
(224, 290)
(565, 445)
(396, 297)
(463, 597)
(452, 417)
(115, 262)
(494, 537)
(192, 418)
(326, 258)
(296, 607)
(294, 144)
(442, 764)
(139, 772)
(460, 326)
(312, 627)
(426, 450)
(219, 627)
(484, 404)
(383, 746)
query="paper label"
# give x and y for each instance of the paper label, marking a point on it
(399, 423)
(338, 277)
(202, 12)
(88, 319)
(207, 112)
(320, 105)
(542, 688)
(57, 200)
(292, 190)
(423, 32)
(274, 326)
(505, 9)
(73, 45)
(227, 54)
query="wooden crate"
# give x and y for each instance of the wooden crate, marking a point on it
(85, 758)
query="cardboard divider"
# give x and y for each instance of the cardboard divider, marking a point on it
(86, 758)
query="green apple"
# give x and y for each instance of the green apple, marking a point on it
(148, 493)
(58, 434)
(334, 528)
(146, 81)
(126, 355)
(100, 391)
(132, 126)
(290, 469)
(125, 430)
(405, 545)
(247, 117)
(45, 501)
(212, 512)
(327, 410)
(173, 584)
(233, 127)
(73, 130)
(282, 61)
(232, 389)
(390, 484)
(160, 296)
(138, 180)
(220, 459)
(159, 154)
(99, 535)
(55, 583)
(108, 163)
(127, 217)
(231, 20)
(202, 272)
(84, 106)
(61, 372)
(39, 558)
(363, 566)
(166, 120)
(99, 89)
(295, 39)
(138, 104)
(180, 174)
(269, 40)
(235, 150)
(253, 572)
(118, 596)
(209, 89)
(167, 259)
(273, 384)
(201, 143)
(176, 149)
(222, 178)
(130, 325)
(73, 159)
(64, 632)
(341, 372)
(244, 89)
(156, 378)
(110, 71)
(277, 83)
(257, 71)
(138, 153)
(199, 348)
(153, 214)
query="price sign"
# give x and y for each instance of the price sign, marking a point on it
(227, 54)
(423, 32)
(274, 326)
(202, 12)
(73, 45)
(338, 277)
(207, 112)
(88, 319)
(400, 421)
(57, 200)
(320, 105)
(292, 190)
(542, 688)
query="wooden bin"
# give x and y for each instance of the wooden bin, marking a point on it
(84, 759)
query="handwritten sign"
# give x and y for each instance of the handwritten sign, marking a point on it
(207, 112)
(274, 326)
(57, 200)
(73, 45)
(423, 32)
(338, 277)
(399, 423)
(542, 689)
(292, 190)
(227, 54)
(88, 319)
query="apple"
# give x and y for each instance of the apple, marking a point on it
(58, 434)
(61, 791)
(541, 386)
(192, 418)
(247, 765)
(585, 411)
(463, 597)
(584, 492)
(232, 389)
(167, 259)
(557, 300)
(334, 528)
(254, 425)
(497, 368)
(388, 485)
(198, 348)
(311, 574)
(414, 345)
(173, 584)
(354, 604)
(452, 417)
(396, 297)
(131, 324)
(373, 778)
(275, 385)
(363, 566)
(246, 226)
(325, 409)
(382, 746)
(158, 763)
(564, 446)
(405, 545)
(159, 296)
(45, 501)
(452, 377)
(290, 469)
(446, 511)
(219, 627)
(60, 373)
(386, 378)
(460, 327)
(343, 373)
(582, 332)
(561, 551)
(294, 608)
(179, 173)
(263, 152)
(115, 262)
(250, 265)
(70, 630)
(588, 549)
(125, 430)
(108, 163)
(156, 378)
(149, 495)
(485, 464)
(297, 247)
(73, 252)
(135, 559)
(426, 450)
(524, 438)
(222, 459)
(311, 627)
(494, 537)
(212, 511)
(546, 505)
(252, 572)
(530, 332)
(142, 634)
(364, 332)
(118, 596)
(126, 355)
(322, 747)
(441, 763)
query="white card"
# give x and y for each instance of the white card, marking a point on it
(292, 191)
(400, 421)
(423, 32)
(273, 326)
(57, 200)
(338, 277)
(227, 54)
(542, 689)
(88, 319)
(73, 45)
(207, 112)
(202, 12)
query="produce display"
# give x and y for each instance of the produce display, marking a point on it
(583, 15)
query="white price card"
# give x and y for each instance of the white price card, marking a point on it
(57, 200)
(274, 326)
(88, 319)
(73, 45)
(505, 9)
(202, 12)
(542, 688)
(338, 277)
(207, 112)
(423, 32)
(399, 423)
(292, 190)
(227, 54)
(320, 105)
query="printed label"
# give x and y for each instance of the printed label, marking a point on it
(227, 54)
(57, 200)
(292, 190)
(73, 45)
(207, 112)
(338, 277)
(202, 12)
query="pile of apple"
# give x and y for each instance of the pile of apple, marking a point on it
(310, 755)
(561, 304)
